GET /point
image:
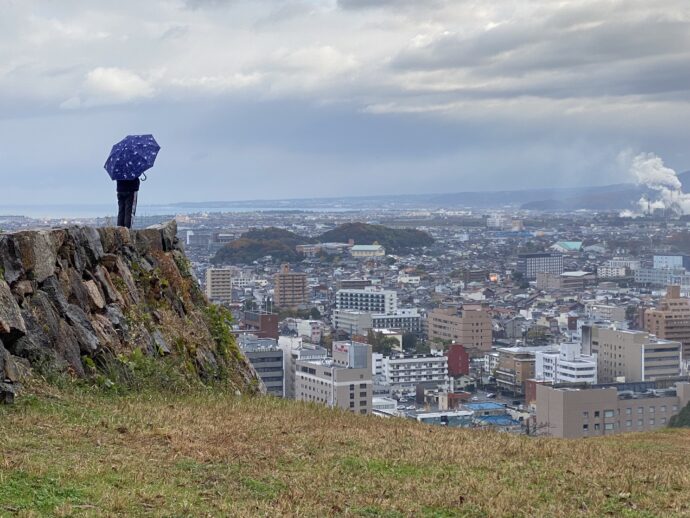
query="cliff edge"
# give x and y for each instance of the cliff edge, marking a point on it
(81, 300)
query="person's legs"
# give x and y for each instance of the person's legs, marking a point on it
(121, 197)
(129, 205)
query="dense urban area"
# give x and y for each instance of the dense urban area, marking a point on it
(567, 325)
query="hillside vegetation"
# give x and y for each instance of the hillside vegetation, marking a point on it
(393, 239)
(79, 453)
(280, 244)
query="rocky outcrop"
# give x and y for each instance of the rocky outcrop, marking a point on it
(71, 298)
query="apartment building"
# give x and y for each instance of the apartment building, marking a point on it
(290, 289)
(267, 359)
(343, 381)
(529, 265)
(573, 412)
(565, 364)
(515, 366)
(632, 356)
(564, 281)
(404, 372)
(671, 261)
(471, 326)
(219, 284)
(370, 300)
(671, 319)
(602, 311)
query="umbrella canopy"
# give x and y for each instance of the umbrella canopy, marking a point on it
(130, 157)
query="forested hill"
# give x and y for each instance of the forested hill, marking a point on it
(393, 239)
(281, 244)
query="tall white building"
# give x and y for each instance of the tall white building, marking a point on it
(370, 300)
(219, 284)
(566, 365)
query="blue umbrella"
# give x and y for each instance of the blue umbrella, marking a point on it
(130, 157)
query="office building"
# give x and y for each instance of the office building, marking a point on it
(529, 265)
(267, 359)
(294, 349)
(370, 300)
(602, 311)
(260, 323)
(352, 322)
(470, 326)
(671, 319)
(565, 364)
(564, 281)
(290, 288)
(671, 261)
(632, 356)
(572, 412)
(515, 366)
(343, 381)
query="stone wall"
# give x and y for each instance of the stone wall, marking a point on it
(71, 297)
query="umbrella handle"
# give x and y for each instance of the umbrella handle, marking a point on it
(144, 177)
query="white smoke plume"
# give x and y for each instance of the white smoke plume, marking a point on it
(649, 171)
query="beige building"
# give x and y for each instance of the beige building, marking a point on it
(219, 284)
(471, 326)
(572, 412)
(515, 366)
(564, 281)
(343, 381)
(366, 251)
(632, 356)
(290, 288)
(671, 319)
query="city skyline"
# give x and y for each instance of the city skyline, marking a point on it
(297, 99)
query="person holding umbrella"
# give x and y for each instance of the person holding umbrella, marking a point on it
(127, 162)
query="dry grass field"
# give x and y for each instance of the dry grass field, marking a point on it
(204, 454)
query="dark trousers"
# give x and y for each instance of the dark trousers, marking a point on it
(126, 203)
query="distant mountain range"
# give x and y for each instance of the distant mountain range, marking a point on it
(609, 197)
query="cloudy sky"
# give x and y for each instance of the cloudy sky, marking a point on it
(296, 98)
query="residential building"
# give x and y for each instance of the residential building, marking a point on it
(515, 366)
(621, 262)
(529, 265)
(309, 329)
(632, 356)
(405, 371)
(570, 411)
(267, 359)
(219, 284)
(671, 319)
(290, 288)
(458, 360)
(611, 272)
(343, 381)
(370, 300)
(565, 364)
(602, 311)
(470, 326)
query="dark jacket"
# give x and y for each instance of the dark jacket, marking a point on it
(128, 185)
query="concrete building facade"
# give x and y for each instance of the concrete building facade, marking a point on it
(574, 412)
(267, 359)
(343, 381)
(633, 356)
(529, 265)
(671, 319)
(369, 300)
(471, 327)
(290, 288)
(404, 372)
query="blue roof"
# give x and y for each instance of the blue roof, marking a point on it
(489, 405)
(498, 420)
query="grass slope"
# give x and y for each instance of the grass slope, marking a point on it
(210, 454)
